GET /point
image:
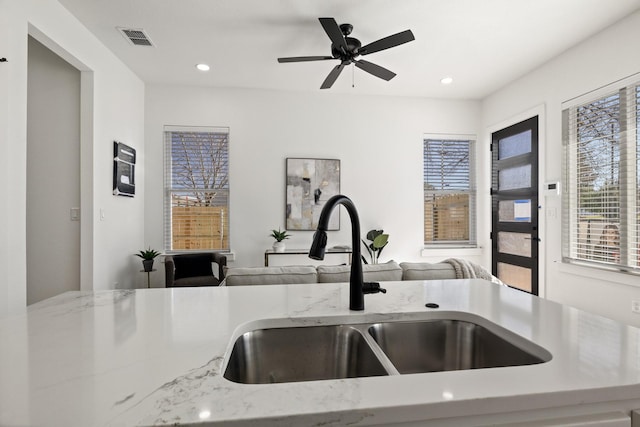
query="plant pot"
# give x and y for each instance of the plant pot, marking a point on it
(279, 247)
(147, 264)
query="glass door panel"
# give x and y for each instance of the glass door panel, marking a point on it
(514, 243)
(515, 276)
(513, 178)
(515, 145)
(514, 210)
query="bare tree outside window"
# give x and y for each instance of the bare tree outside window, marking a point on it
(598, 128)
(598, 156)
(197, 186)
(449, 194)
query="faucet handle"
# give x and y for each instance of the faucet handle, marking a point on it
(372, 288)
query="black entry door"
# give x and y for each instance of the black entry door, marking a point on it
(514, 196)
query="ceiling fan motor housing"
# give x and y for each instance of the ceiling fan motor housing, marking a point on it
(353, 46)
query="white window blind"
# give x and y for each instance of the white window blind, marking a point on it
(601, 214)
(449, 192)
(196, 200)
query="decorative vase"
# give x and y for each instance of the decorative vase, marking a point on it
(147, 264)
(278, 247)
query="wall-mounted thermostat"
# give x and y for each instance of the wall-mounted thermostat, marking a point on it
(552, 188)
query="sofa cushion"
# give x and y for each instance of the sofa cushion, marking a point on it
(388, 271)
(270, 275)
(427, 271)
(192, 265)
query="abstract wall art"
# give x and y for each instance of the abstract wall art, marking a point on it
(310, 183)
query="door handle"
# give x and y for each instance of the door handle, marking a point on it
(537, 239)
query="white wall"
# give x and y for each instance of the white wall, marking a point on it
(598, 61)
(377, 139)
(113, 109)
(53, 174)
(9, 296)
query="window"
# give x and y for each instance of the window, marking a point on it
(601, 213)
(449, 192)
(196, 199)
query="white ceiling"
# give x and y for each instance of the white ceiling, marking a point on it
(482, 44)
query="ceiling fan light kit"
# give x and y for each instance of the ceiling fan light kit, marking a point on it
(347, 49)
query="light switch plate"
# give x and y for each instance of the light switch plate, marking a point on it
(74, 214)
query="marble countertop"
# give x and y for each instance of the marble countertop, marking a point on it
(155, 356)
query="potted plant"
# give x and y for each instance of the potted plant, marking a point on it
(148, 256)
(378, 241)
(279, 245)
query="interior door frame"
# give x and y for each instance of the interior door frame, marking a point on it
(533, 228)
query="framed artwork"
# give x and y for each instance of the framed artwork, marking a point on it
(310, 183)
(124, 170)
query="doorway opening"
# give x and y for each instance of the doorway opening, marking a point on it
(53, 174)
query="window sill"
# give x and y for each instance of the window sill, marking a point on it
(231, 256)
(594, 272)
(451, 251)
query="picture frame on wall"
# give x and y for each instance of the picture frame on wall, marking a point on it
(124, 170)
(309, 184)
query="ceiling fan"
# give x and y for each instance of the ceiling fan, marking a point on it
(347, 49)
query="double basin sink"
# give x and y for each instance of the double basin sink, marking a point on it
(394, 347)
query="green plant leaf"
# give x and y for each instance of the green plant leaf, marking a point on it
(279, 235)
(148, 253)
(372, 234)
(380, 241)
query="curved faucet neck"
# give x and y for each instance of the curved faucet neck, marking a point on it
(356, 282)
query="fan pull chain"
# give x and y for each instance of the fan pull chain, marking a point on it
(353, 75)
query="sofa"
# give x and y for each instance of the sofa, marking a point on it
(389, 271)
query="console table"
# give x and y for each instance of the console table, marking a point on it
(270, 252)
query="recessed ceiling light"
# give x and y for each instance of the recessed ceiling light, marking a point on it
(446, 80)
(203, 67)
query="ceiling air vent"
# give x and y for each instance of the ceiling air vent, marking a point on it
(136, 36)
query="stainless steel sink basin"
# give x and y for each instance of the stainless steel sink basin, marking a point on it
(301, 354)
(448, 345)
(307, 353)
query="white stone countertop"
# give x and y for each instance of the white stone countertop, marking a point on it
(156, 356)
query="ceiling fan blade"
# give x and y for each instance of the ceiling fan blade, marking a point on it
(333, 31)
(374, 69)
(304, 58)
(387, 42)
(333, 75)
